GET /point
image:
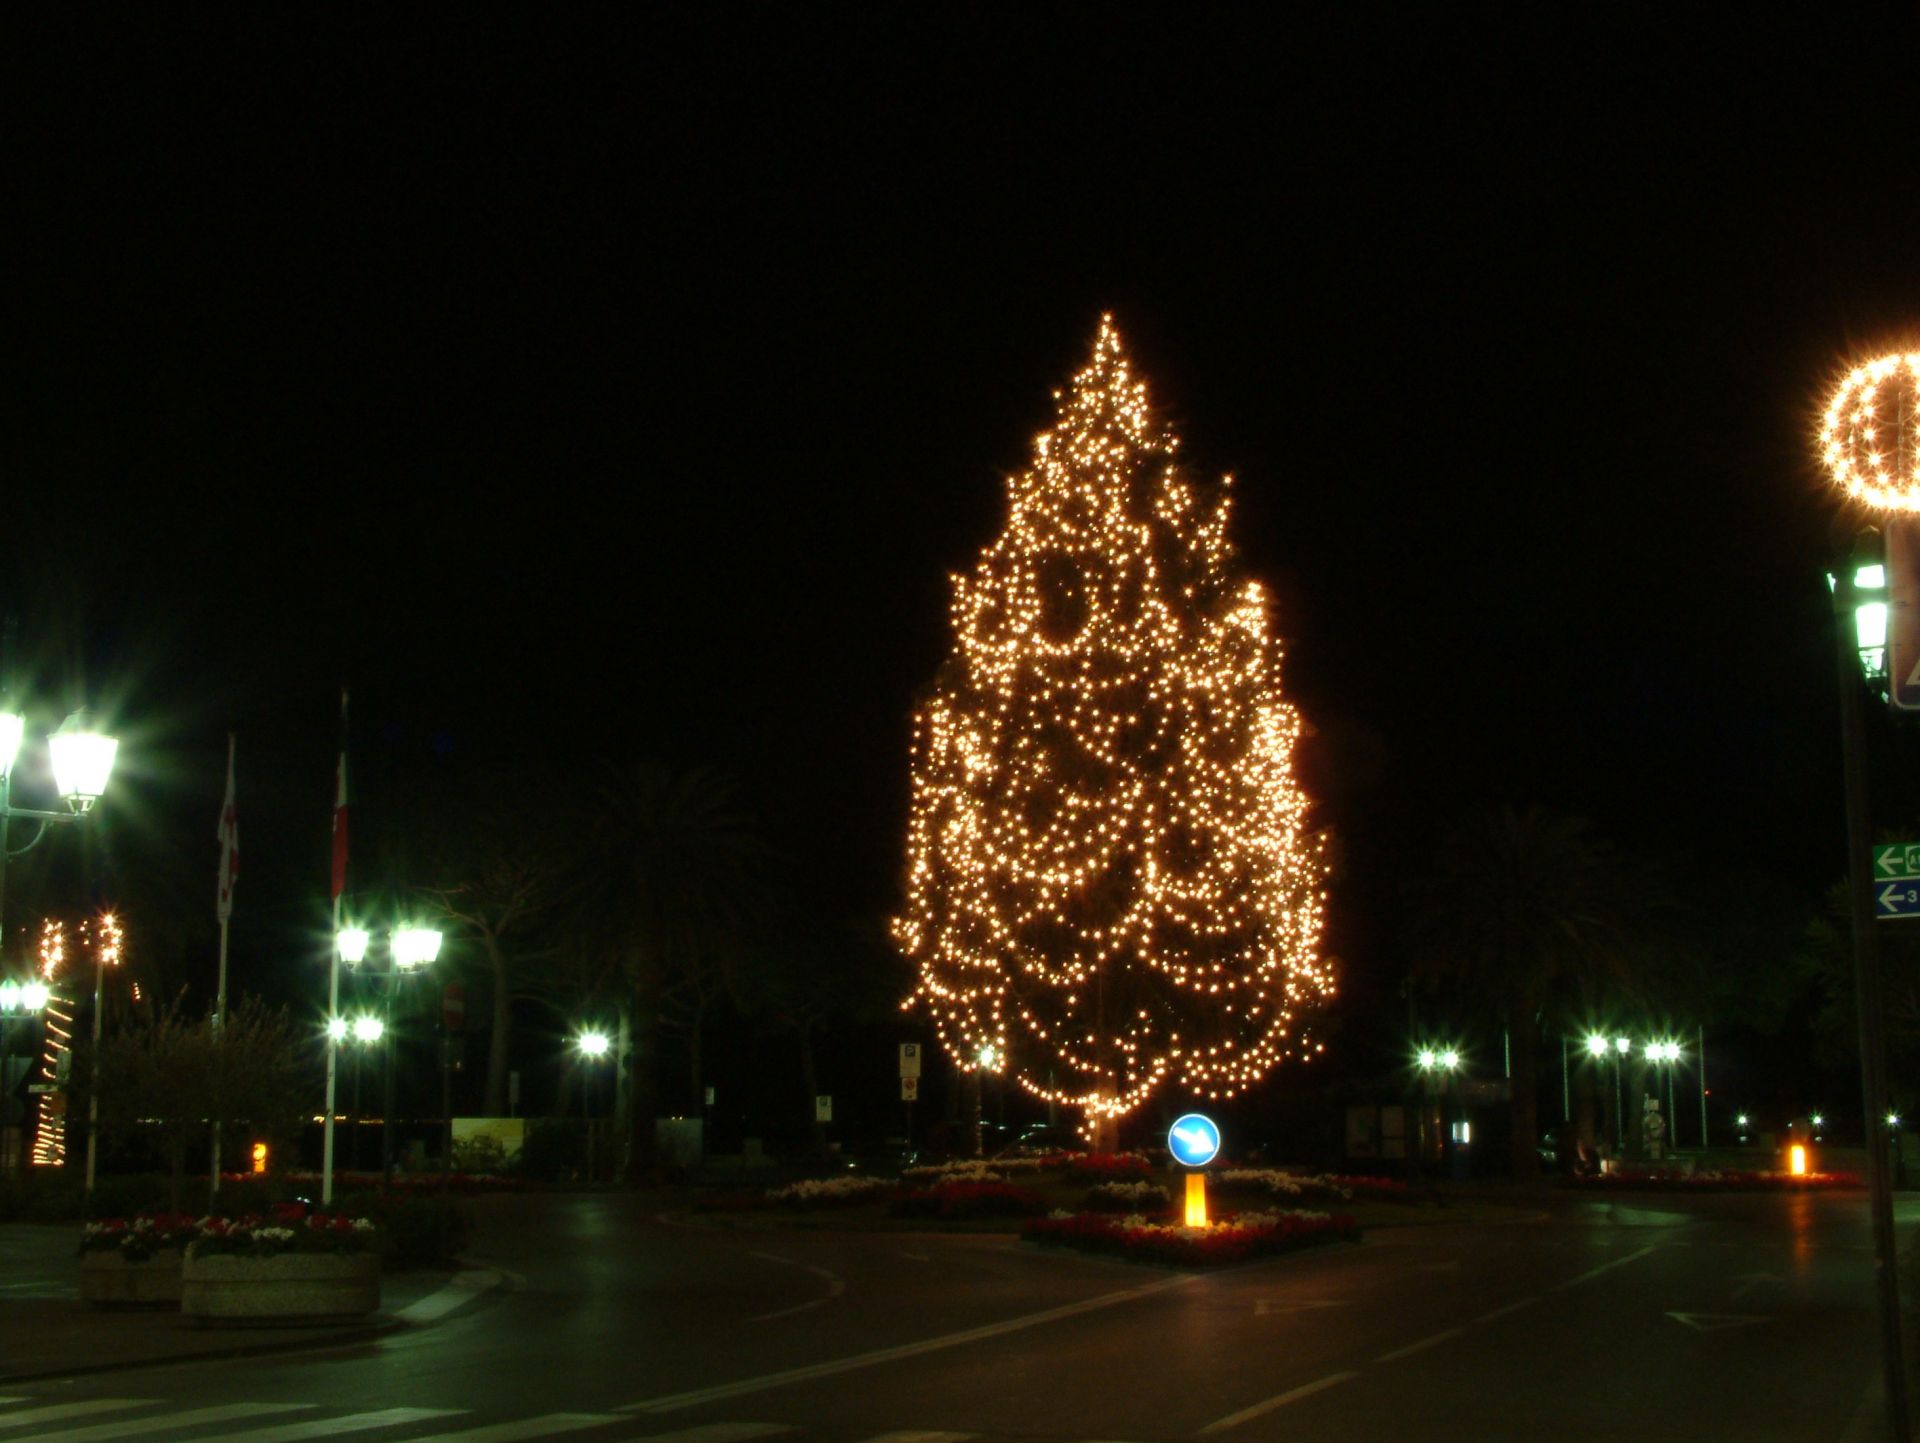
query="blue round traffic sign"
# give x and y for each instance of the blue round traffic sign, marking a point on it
(1193, 1140)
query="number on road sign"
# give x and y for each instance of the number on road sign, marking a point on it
(1896, 899)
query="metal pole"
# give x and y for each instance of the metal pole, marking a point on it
(93, 1099)
(1566, 1092)
(1866, 971)
(386, 1114)
(333, 1057)
(1700, 1051)
(220, 1005)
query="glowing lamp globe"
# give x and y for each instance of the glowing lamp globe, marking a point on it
(34, 996)
(353, 943)
(1870, 434)
(594, 1044)
(9, 996)
(415, 947)
(368, 1029)
(82, 761)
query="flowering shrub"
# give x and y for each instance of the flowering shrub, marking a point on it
(1306, 1186)
(966, 1169)
(1731, 1180)
(1235, 1240)
(969, 1199)
(138, 1239)
(829, 1192)
(256, 1237)
(1096, 1167)
(1127, 1197)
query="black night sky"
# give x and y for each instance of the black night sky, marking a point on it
(627, 380)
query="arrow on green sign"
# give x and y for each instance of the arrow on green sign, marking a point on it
(1902, 859)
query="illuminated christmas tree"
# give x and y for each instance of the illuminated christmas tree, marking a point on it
(1110, 883)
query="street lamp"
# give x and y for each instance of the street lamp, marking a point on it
(593, 1046)
(20, 1004)
(367, 1031)
(410, 950)
(1437, 1066)
(1867, 442)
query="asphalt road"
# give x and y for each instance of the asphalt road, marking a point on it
(1743, 1318)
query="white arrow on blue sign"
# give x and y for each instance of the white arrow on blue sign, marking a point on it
(1896, 899)
(1194, 1141)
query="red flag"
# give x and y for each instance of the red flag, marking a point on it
(340, 809)
(229, 836)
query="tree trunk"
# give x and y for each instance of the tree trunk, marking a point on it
(640, 1148)
(696, 1091)
(499, 1045)
(1524, 1047)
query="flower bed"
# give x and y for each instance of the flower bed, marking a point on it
(1657, 1180)
(828, 1192)
(254, 1236)
(1232, 1240)
(1310, 1187)
(137, 1239)
(1099, 1167)
(1127, 1197)
(966, 1199)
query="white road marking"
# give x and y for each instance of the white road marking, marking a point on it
(1294, 1395)
(671, 1401)
(544, 1426)
(1510, 1308)
(464, 1287)
(835, 1287)
(1419, 1347)
(53, 1412)
(1715, 1322)
(1591, 1273)
(327, 1427)
(917, 1257)
(192, 1418)
(1266, 1306)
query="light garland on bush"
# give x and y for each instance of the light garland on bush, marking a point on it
(1110, 884)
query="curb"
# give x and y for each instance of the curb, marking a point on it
(472, 1282)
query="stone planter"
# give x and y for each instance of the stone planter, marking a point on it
(108, 1280)
(222, 1289)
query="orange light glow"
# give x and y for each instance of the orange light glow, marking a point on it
(1797, 1159)
(259, 1157)
(1196, 1199)
(1870, 434)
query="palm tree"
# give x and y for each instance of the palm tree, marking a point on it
(1525, 912)
(668, 880)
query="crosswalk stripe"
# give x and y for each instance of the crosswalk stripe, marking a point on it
(720, 1433)
(327, 1427)
(930, 1435)
(544, 1426)
(53, 1412)
(147, 1426)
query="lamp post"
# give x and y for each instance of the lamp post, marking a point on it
(367, 1031)
(1867, 442)
(81, 759)
(985, 1062)
(410, 950)
(594, 1047)
(1437, 1067)
(20, 1003)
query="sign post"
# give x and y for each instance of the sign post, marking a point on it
(909, 1081)
(1194, 1141)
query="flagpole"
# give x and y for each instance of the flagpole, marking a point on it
(333, 962)
(226, 911)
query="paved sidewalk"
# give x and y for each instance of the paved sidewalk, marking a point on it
(47, 1332)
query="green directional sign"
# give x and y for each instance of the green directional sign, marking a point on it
(1902, 859)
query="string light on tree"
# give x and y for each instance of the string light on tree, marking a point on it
(1110, 881)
